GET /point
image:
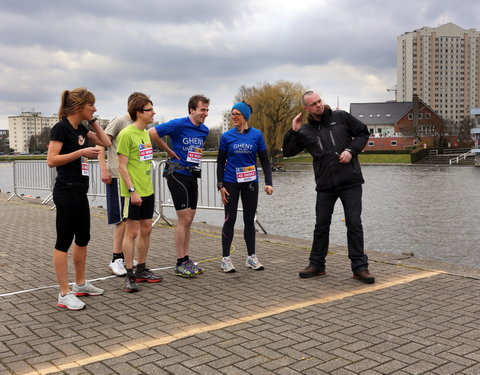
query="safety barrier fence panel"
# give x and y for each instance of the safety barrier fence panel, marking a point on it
(32, 175)
(36, 175)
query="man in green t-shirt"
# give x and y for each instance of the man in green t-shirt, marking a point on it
(111, 178)
(135, 154)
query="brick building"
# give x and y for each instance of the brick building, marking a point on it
(396, 125)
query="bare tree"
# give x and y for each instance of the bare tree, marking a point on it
(274, 106)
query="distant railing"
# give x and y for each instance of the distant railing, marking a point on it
(455, 150)
(460, 157)
(36, 175)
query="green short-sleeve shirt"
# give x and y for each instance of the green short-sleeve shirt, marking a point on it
(136, 144)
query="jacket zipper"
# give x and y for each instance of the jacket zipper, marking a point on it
(320, 143)
(333, 140)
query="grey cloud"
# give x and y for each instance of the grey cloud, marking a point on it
(181, 46)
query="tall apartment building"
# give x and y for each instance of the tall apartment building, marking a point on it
(226, 117)
(442, 66)
(22, 127)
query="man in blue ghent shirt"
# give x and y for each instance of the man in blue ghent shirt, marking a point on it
(187, 135)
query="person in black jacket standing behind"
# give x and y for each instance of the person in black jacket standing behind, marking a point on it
(334, 139)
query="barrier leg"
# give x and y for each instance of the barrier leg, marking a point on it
(260, 225)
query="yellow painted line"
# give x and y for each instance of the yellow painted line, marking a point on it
(232, 322)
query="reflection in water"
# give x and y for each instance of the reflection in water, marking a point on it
(433, 212)
(430, 211)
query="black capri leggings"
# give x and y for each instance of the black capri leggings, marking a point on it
(248, 191)
(73, 218)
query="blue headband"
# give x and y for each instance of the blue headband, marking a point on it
(244, 108)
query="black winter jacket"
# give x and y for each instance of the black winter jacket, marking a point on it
(325, 140)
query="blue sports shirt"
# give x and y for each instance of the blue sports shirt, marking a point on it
(187, 140)
(241, 149)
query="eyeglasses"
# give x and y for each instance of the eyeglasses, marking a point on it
(236, 114)
(147, 110)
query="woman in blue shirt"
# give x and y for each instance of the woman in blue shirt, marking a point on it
(237, 176)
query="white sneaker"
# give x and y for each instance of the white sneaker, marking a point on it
(253, 262)
(227, 265)
(70, 302)
(117, 267)
(86, 289)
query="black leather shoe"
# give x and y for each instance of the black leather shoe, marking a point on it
(310, 271)
(364, 276)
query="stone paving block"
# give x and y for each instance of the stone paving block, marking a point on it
(150, 368)
(218, 350)
(334, 364)
(169, 361)
(124, 369)
(225, 361)
(448, 369)
(473, 370)
(101, 369)
(377, 357)
(305, 365)
(316, 371)
(260, 371)
(287, 371)
(400, 325)
(253, 362)
(79, 371)
(407, 359)
(390, 367)
(18, 367)
(200, 360)
(450, 357)
(279, 363)
(343, 371)
(288, 351)
(420, 367)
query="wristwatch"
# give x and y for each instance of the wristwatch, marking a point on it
(92, 121)
(131, 189)
(219, 185)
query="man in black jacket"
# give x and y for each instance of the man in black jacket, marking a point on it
(334, 139)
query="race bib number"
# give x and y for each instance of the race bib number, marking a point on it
(194, 155)
(85, 166)
(146, 151)
(246, 174)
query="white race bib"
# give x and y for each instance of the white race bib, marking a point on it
(85, 171)
(246, 174)
(146, 151)
(194, 155)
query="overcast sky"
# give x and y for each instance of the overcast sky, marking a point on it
(173, 49)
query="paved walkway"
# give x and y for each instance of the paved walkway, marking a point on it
(421, 317)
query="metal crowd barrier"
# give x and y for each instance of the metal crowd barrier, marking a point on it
(36, 175)
(33, 175)
(208, 196)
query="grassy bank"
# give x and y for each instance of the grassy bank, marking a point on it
(303, 158)
(364, 158)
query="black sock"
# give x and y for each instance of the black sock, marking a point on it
(130, 272)
(117, 256)
(140, 268)
(180, 261)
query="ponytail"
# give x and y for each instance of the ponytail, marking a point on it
(74, 100)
